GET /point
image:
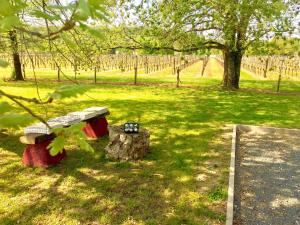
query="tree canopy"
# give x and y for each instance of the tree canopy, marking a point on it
(230, 26)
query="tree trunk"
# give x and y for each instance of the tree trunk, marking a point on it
(225, 76)
(16, 57)
(266, 67)
(232, 69)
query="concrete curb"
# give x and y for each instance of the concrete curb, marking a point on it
(230, 201)
(264, 129)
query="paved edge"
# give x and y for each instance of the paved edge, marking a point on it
(262, 129)
(238, 128)
(230, 201)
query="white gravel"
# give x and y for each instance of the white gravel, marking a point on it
(267, 188)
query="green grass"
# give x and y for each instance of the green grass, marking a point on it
(183, 180)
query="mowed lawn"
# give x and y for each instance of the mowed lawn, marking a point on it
(183, 180)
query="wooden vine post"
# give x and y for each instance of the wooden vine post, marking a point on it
(23, 68)
(75, 69)
(178, 77)
(279, 77)
(58, 73)
(135, 69)
(266, 67)
(147, 65)
(204, 64)
(174, 66)
(95, 74)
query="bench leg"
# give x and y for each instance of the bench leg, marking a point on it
(96, 127)
(37, 155)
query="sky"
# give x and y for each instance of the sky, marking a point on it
(296, 20)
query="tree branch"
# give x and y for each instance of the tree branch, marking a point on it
(14, 99)
(69, 25)
(30, 100)
(203, 29)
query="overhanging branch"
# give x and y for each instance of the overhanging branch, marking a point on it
(69, 25)
(15, 100)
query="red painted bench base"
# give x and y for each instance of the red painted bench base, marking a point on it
(37, 155)
(96, 127)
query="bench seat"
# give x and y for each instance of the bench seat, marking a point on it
(83, 115)
(38, 136)
(66, 121)
(98, 110)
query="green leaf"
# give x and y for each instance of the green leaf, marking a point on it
(84, 145)
(3, 63)
(68, 7)
(101, 15)
(95, 32)
(84, 6)
(5, 107)
(8, 22)
(96, 3)
(75, 128)
(14, 120)
(6, 8)
(83, 12)
(80, 138)
(68, 91)
(68, 41)
(41, 14)
(72, 133)
(58, 131)
(57, 145)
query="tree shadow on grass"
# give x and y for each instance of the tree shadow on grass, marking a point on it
(188, 160)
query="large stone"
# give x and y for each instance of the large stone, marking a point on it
(123, 146)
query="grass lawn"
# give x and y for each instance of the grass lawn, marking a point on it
(183, 180)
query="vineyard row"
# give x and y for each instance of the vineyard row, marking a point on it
(269, 65)
(148, 63)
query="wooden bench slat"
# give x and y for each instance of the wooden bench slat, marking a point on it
(98, 110)
(40, 128)
(84, 115)
(65, 120)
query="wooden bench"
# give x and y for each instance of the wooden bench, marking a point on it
(38, 136)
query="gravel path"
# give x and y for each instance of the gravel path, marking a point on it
(267, 188)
